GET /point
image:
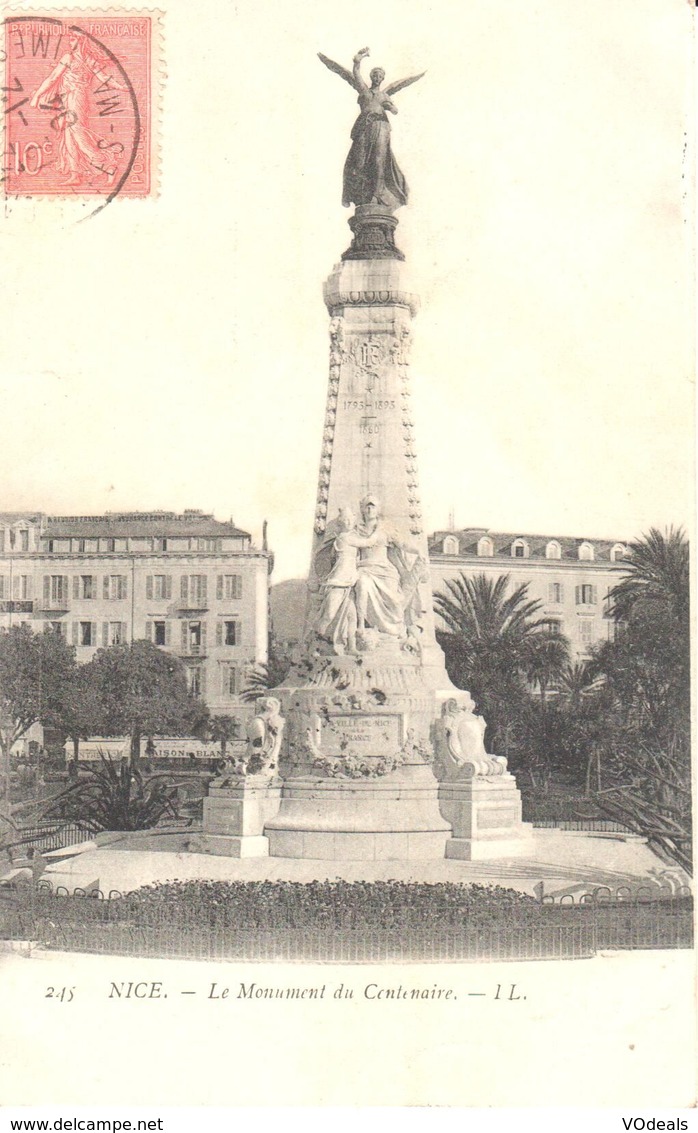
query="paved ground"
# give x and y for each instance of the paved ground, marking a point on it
(560, 860)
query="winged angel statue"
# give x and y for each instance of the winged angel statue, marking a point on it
(371, 173)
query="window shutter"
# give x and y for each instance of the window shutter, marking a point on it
(168, 633)
(149, 586)
(219, 633)
(202, 673)
(168, 585)
(15, 586)
(76, 586)
(237, 586)
(203, 637)
(184, 588)
(593, 594)
(204, 582)
(219, 587)
(123, 586)
(74, 633)
(105, 586)
(94, 629)
(47, 589)
(149, 631)
(64, 588)
(184, 637)
(578, 595)
(95, 580)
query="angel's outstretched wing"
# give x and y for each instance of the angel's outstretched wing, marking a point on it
(340, 70)
(393, 88)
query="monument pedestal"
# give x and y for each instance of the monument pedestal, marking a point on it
(395, 817)
(235, 813)
(485, 816)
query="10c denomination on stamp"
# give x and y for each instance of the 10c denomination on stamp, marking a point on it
(77, 98)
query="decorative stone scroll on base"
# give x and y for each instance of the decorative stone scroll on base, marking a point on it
(235, 813)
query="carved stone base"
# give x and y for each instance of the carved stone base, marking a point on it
(373, 227)
(395, 817)
(485, 815)
(234, 817)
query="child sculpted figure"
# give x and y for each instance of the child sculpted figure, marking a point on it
(337, 619)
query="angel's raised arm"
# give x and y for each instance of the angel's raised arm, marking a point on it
(393, 88)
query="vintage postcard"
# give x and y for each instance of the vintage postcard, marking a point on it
(345, 579)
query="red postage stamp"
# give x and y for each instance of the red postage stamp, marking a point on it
(77, 98)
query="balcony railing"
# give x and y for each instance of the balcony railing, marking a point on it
(16, 606)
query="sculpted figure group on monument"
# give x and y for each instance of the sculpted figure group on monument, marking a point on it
(372, 588)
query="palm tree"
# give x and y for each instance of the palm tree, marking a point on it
(657, 571)
(491, 635)
(266, 675)
(549, 658)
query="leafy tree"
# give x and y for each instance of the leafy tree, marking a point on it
(115, 797)
(35, 670)
(77, 713)
(143, 691)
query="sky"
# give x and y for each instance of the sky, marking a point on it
(173, 353)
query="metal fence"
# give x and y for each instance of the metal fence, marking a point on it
(48, 837)
(549, 930)
(582, 825)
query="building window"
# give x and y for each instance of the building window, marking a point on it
(230, 680)
(485, 547)
(450, 545)
(22, 586)
(193, 590)
(160, 633)
(24, 540)
(229, 586)
(586, 630)
(4, 586)
(585, 595)
(556, 593)
(519, 549)
(58, 627)
(110, 545)
(56, 591)
(196, 681)
(207, 544)
(159, 544)
(84, 586)
(158, 586)
(115, 586)
(586, 552)
(116, 633)
(193, 638)
(552, 626)
(617, 553)
(553, 550)
(87, 633)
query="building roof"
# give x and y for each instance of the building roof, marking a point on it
(135, 523)
(469, 537)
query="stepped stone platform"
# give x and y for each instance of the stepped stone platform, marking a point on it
(562, 861)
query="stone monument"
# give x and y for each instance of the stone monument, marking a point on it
(379, 755)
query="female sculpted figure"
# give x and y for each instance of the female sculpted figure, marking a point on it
(371, 173)
(66, 93)
(381, 598)
(337, 619)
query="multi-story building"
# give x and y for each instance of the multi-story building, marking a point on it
(192, 585)
(571, 577)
